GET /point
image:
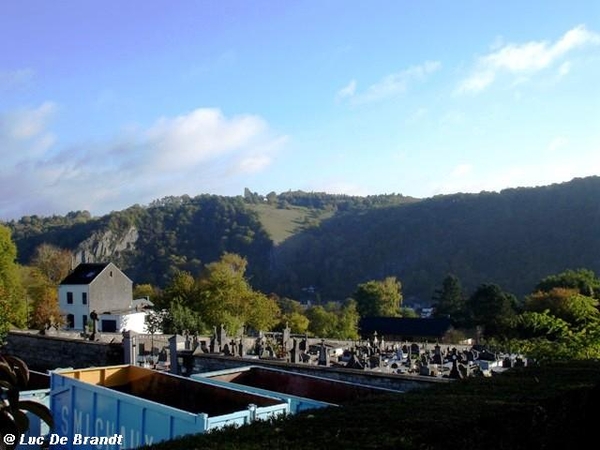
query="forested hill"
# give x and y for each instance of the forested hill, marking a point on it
(306, 244)
(512, 238)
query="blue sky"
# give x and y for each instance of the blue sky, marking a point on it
(107, 104)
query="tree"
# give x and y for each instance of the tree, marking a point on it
(292, 315)
(13, 307)
(42, 297)
(321, 322)
(226, 297)
(450, 300)
(566, 304)
(491, 308)
(180, 319)
(584, 280)
(348, 318)
(154, 321)
(55, 263)
(334, 320)
(379, 298)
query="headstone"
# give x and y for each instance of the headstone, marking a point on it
(295, 352)
(323, 356)
(437, 355)
(130, 349)
(222, 336)
(175, 343)
(454, 372)
(286, 343)
(414, 349)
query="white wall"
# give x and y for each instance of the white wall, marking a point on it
(133, 322)
(78, 309)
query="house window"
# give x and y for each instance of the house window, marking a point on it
(70, 321)
(70, 298)
(85, 321)
(84, 298)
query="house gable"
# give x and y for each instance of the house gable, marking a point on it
(93, 287)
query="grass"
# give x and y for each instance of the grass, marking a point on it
(547, 407)
(283, 223)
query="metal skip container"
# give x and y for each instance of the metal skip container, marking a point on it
(132, 406)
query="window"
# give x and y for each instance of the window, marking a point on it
(84, 298)
(85, 321)
(70, 298)
(70, 321)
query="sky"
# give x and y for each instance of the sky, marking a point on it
(107, 104)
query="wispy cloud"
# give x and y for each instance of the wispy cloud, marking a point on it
(527, 58)
(557, 143)
(24, 134)
(10, 79)
(389, 86)
(347, 91)
(196, 152)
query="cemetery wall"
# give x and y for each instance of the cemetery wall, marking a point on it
(49, 352)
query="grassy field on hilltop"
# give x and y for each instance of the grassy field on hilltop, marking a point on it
(281, 223)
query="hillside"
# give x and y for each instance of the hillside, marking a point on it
(295, 240)
(512, 238)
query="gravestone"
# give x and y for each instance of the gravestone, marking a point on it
(415, 349)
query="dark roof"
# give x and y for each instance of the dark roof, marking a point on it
(400, 326)
(84, 273)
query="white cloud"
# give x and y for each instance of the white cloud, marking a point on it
(526, 59)
(564, 68)
(347, 91)
(10, 79)
(193, 153)
(557, 144)
(199, 136)
(23, 134)
(390, 85)
(461, 170)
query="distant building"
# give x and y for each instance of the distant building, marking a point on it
(99, 288)
(404, 329)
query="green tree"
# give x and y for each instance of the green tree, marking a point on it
(491, 308)
(379, 298)
(566, 304)
(321, 323)
(13, 306)
(226, 297)
(180, 319)
(334, 320)
(347, 323)
(182, 287)
(450, 300)
(292, 315)
(584, 280)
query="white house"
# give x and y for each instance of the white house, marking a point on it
(99, 288)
